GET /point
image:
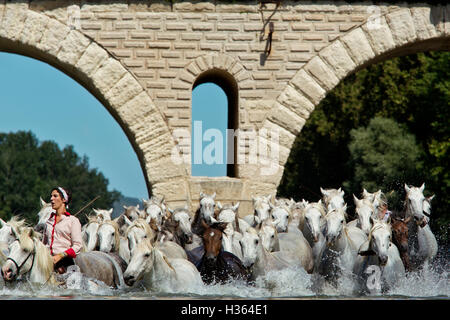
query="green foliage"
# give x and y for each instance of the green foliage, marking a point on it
(29, 170)
(382, 155)
(412, 90)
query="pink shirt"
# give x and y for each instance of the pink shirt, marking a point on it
(65, 236)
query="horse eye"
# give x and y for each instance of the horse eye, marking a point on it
(273, 236)
(256, 241)
(147, 255)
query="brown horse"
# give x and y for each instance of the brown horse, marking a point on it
(217, 265)
(400, 238)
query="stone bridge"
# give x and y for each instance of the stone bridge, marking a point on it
(276, 60)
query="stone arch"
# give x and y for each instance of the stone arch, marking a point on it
(226, 72)
(400, 32)
(38, 36)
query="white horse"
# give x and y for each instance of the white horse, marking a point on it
(158, 272)
(333, 198)
(293, 245)
(89, 234)
(375, 197)
(261, 210)
(155, 209)
(232, 234)
(103, 214)
(422, 243)
(43, 214)
(313, 227)
(131, 213)
(343, 242)
(183, 220)
(205, 212)
(280, 213)
(137, 231)
(379, 250)
(9, 231)
(259, 260)
(364, 210)
(30, 258)
(110, 240)
(28, 255)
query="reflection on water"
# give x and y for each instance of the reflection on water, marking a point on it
(431, 283)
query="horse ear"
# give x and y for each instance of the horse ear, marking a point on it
(214, 195)
(219, 205)
(431, 198)
(356, 200)
(407, 189)
(422, 187)
(2, 222)
(202, 195)
(236, 207)
(323, 191)
(342, 192)
(127, 221)
(43, 203)
(111, 211)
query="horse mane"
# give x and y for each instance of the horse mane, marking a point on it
(28, 240)
(319, 206)
(17, 224)
(378, 224)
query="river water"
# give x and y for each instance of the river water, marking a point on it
(431, 282)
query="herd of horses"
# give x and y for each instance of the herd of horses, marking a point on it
(174, 250)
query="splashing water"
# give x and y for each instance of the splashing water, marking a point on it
(428, 282)
(431, 281)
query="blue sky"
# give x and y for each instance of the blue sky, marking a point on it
(35, 96)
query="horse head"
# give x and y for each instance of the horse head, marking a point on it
(261, 208)
(400, 238)
(415, 204)
(212, 240)
(207, 206)
(364, 210)
(43, 214)
(249, 243)
(156, 209)
(378, 242)
(269, 236)
(333, 198)
(141, 260)
(183, 221)
(27, 253)
(90, 236)
(335, 222)
(315, 218)
(138, 231)
(281, 216)
(108, 236)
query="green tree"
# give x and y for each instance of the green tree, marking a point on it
(383, 155)
(29, 170)
(413, 90)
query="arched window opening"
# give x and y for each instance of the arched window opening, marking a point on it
(214, 121)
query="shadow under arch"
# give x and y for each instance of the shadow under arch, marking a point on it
(228, 84)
